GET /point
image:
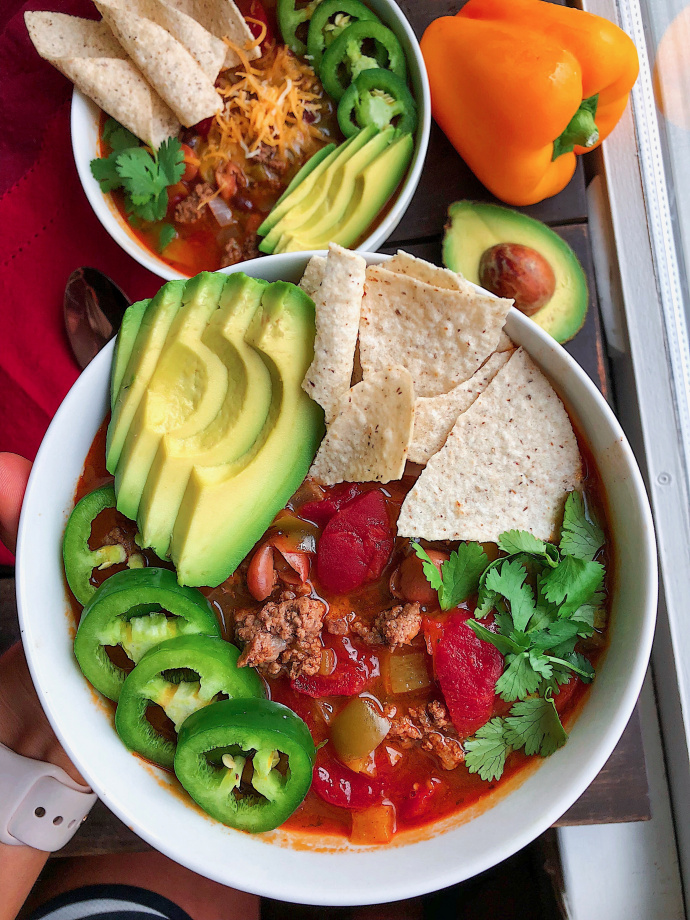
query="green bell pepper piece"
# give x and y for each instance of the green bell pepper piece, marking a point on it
(79, 560)
(290, 18)
(213, 747)
(129, 610)
(163, 677)
(344, 60)
(330, 19)
(375, 98)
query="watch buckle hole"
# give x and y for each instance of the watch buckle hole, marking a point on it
(58, 820)
(40, 812)
(71, 824)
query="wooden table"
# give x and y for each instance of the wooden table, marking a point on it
(620, 791)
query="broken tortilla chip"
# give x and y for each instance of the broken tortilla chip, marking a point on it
(222, 19)
(337, 301)
(89, 55)
(434, 416)
(165, 63)
(404, 264)
(505, 343)
(313, 275)
(441, 336)
(369, 437)
(508, 463)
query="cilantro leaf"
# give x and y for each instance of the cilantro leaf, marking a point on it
(167, 235)
(170, 161)
(505, 644)
(519, 680)
(459, 576)
(140, 177)
(104, 171)
(577, 663)
(572, 583)
(535, 726)
(554, 634)
(510, 581)
(580, 537)
(520, 541)
(117, 137)
(486, 751)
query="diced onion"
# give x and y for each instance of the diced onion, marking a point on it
(221, 211)
(408, 672)
(358, 730)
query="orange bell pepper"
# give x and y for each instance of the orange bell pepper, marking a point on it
(520, 87)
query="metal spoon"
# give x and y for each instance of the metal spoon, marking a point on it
(93, 308)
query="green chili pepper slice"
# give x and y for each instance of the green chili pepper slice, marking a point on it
(376, 98)
(330, 19)
(181, 676)
(290, 18)
(129, 610)
(213, 749)
(79, 560)
(344, 60)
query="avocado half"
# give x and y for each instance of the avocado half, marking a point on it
(473, 227)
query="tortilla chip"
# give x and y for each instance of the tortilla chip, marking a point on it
(165, 63)
(404, 264)
(338, 301)
(222, 19)
(89, 55)
(370, 435)
(505, 343)
(206, 49)
(313, 275)
(509, 462)
(441, 336)
(434, 416)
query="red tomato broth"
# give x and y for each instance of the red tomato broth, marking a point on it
(410, 779)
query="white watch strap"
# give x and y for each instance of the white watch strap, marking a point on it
(40, 805)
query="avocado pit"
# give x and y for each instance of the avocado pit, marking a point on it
(518, 272)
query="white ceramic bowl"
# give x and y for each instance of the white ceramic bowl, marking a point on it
(85, 121)
(337, 873)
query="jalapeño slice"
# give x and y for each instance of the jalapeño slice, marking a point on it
(290, 18)
(247, 763)
(376, 98)
(330, 19)
(181, 676)
(136, 610)
(362, 46)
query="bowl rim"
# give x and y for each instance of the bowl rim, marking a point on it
(84, 117)
(404, 885)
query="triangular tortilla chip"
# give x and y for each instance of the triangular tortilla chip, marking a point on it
(313, 275)
(338, 301)
(508, 463)
(434, 416)
(222, 19)
(206, 49)
(369, 438)
(89, 55)
(404, 264)
(165, 63)
(441, 336)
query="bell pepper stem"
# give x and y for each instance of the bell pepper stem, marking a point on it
(581, 131)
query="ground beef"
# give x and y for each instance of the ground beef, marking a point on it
(395, 627)
(236, 252)
(430, 727)
(282, 637)
(269, 156)
(191, 208)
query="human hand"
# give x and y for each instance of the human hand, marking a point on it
(23, 725)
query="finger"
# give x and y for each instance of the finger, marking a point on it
(14, 475)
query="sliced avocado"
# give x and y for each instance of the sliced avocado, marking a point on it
(309, 195)
(336, 194)
(148, 344)
(226, 509)
(473, 227)
(373, 187)
(304, 171)
(233, 431)
(184, 393)
(124, 344)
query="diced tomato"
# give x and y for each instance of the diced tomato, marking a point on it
(466, 668)
(177, 193)
(356, 544)
(565, 694)
(321, 512)
(338, 785)
(420, 798)
(354, 670)
(203, 127)
(191, 163)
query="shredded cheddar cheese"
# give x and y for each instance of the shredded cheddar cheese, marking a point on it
(274, 101)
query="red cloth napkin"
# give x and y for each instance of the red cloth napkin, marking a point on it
(47, 229)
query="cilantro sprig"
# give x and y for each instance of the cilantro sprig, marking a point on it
(143, 176)
(545, 598)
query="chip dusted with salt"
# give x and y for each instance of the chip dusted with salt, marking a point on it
(434, 416)
(403, 263)
(369, 437)
(313, 275)
(338, 300)
(508, 463)
(441, 336)
(223, 19)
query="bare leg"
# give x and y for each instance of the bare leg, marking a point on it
(200, 897)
